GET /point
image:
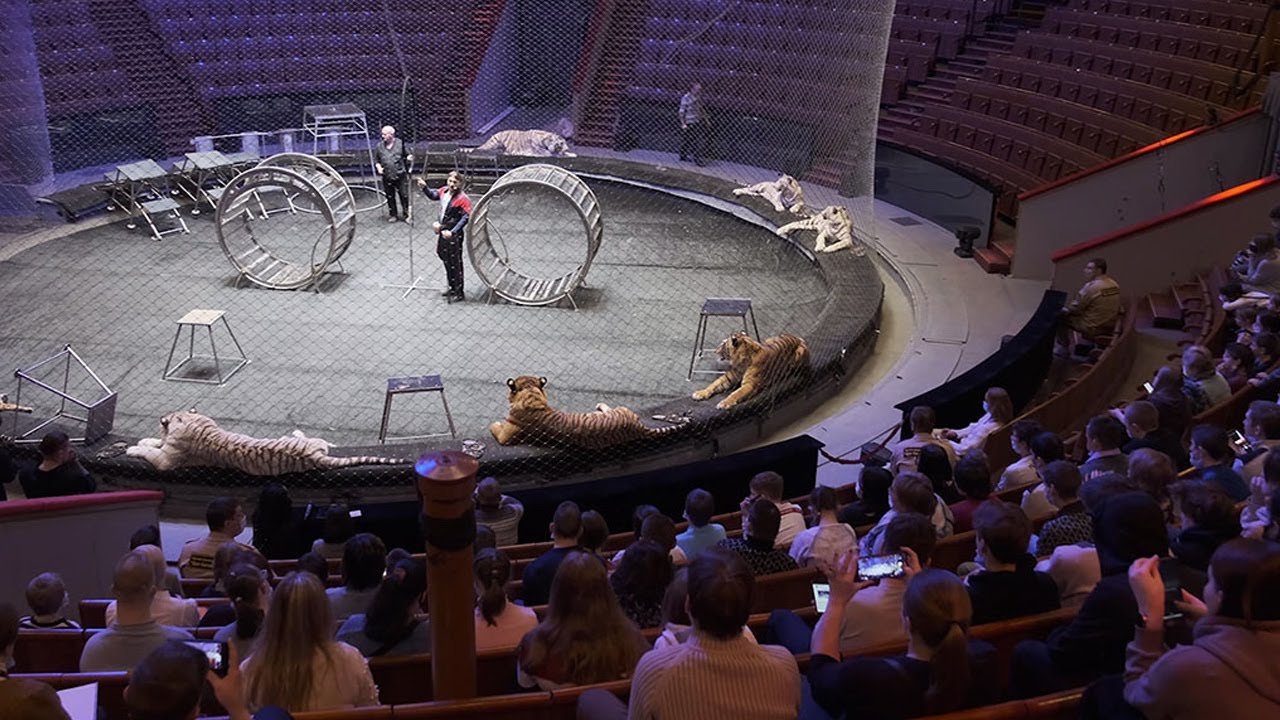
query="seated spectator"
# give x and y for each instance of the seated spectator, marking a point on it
(315, 564)
(500, 623)
(1153, 472)
(1209, 519)
(641, 581)
(1232, 296)
(935, 464)
(1262, 429)
(48, 599)
(1229, 669)
(1023, 470)
(566, 525)
(1256, 516)
(1240, 324)
(1202, 385)
(1142, 423)
(701, 534)
(910, 492)
(1266, 350)
(1125, 527)
(1104, 436)
(997, 411)
(973, 476)
(829, 538)
(59, 471)
(1211, 455)
(677, 626)
(1075, 568)
(275, 533)
(769, 485)
(485, 539)
(941, 671)
(20, 698)
(1173, 406)
(150, 535)
(758, 546)
(585, 637)
(1261, 271)
(1072, 525)
(1008, 585)
(390, 626)
(1045, 448)
(168, 684)
(134, 633)
(637, 519)
(873, 498)
(1236, 366)
(338, 528)
(906, 453)
(660, 529)
(297, 664)
(500, 512)
(595, 531)
(716, 668)
(250, 595)
(165, 608)
(223, 558)
(364, 561)
(226, 521)
(1094, 310)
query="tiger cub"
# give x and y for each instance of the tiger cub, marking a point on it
(755, 366)
(533, 420)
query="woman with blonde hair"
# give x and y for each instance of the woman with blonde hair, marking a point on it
(296, 664)
(585, 637)
(997, 411)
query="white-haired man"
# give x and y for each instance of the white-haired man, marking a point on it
(391, 159)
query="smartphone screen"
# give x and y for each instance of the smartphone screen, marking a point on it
(821, 591)
(216, 652)
(355, 513)
(1148, 387)
(1172, 593)
(876, 567)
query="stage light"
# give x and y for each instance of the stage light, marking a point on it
(965, 237)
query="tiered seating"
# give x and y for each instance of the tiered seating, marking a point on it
(77, 69)
(1238, 15)
(1223, 47)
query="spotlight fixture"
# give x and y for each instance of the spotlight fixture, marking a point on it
(965, 237)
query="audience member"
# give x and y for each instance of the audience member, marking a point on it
(500, 512)
(997, 411)
(1072, 525)
(297, 664)
(168, 684)
(1256, 515)
(906, 453)
(1209, 519)
(701, 534)
(165, 609)
(275, 533)
(758, 546)
(641, 581)
(769, 485)
(315, 564)
(677, 626)
(873, 498)
(59, 471)
(935, 464)
(48, 599)
(338, 528)
(637, 518)
(973, 476)
(1045, 448)
(594, 532)
(1261, 271)
(226, 521)
(499, 622)
(1262, 428)
(390, 625)
(20, 698)
(659, 528)
(716, 669)
(1211, 455)
(1008, 585)
(150, 535)
(1236, 366)
(1202, 385)
(250, 596)
(134, 633)
(1142, 423)
(941, 671)
(1153, 472)
(1095, 308)
(538, 577)
(1075, 568)
(223, 558)
(1174, 407)
(910, 492)
(1023, 470)
(1104, 436)
(585, 637)
(1229, 669)
(364, 561)
(829, 538)
(1266, 350)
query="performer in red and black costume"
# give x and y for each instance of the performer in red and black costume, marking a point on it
(455, 211)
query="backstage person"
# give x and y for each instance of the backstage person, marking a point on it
(391, 160)
(693, 126)
(455, 210)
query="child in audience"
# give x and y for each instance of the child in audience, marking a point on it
(973, 477)
(390, 626)
(1266, 350)
(699, 506)
(873, 502)
(935, 464)
(338, 528)
(250, 594)
(1236, 366)
(769, 485)
(641, 581)
(1256, 516)
(1209, 518)
(1045, 448)
(47, 597)
(595, 531)
(1008, 585)
(829, 538)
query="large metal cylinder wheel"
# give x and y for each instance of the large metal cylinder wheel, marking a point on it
(533, 236)
(283, 222)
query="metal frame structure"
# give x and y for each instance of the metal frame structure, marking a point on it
(100, 414)
(143, 189)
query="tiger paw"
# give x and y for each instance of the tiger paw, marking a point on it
(725, 404)
(700, 395)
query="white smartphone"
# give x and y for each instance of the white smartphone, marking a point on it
(355, 513)
(821, 591)
(1147, 386)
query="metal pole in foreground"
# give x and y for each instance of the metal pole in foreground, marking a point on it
(446, 485)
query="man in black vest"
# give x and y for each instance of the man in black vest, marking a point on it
(391, 159)
(455, 210)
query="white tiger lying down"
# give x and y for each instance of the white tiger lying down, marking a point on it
(834, 228)
(189, 439)
(534, 143)
(785, 194)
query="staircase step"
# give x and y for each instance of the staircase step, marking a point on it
(1004, 247)
(1165, 311)
(992, 261)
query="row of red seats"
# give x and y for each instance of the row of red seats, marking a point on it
(1223, 47)
(1245, 17)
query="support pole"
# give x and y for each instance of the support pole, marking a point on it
(446, 485)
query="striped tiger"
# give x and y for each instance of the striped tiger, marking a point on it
(189, 439)
(755, 366)
(533, 420)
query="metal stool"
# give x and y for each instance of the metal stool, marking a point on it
(720, 307)
(205, 318)
(405, 385)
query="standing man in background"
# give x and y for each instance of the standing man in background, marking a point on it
(391, 160)
(693, 126)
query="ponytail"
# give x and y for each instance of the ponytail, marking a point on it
(244, 586)
(950, 676)
(938, 607)
(492, 570)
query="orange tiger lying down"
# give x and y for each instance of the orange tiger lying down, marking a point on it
(533, 420)
(755, 366)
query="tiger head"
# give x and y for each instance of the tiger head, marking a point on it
(836, 215)
(738, 349)
(176, 423)
(557, 146)
(527, 391)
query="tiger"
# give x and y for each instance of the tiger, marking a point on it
(833, 225)
(785, 194)
(534, 143)
(755, 366)
(532, 419)
(189, 439)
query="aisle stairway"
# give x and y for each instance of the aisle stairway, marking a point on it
(618, 33)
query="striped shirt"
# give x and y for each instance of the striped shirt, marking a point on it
(715, 679)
